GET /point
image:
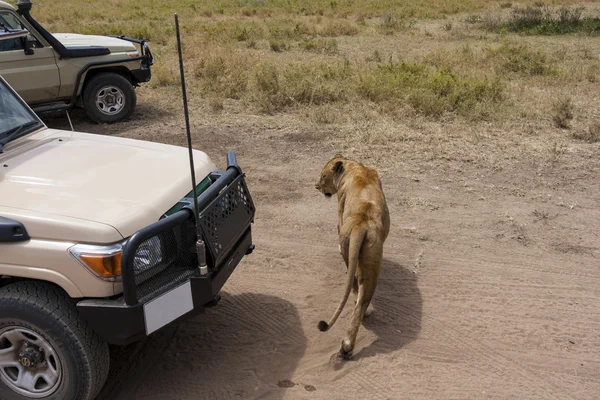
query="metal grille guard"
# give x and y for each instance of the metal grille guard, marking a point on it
(222, 225)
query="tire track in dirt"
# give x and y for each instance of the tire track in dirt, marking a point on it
(493, 358)
(259, 318)
(503, 365)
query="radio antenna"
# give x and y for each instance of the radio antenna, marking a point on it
(199, 243)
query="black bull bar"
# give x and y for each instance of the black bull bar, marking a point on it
(224, 223)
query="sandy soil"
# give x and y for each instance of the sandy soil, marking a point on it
(490, 286)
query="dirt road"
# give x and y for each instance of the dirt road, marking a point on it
(490, 288)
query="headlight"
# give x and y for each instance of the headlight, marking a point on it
(148, 255)
(133, 54)
(104, 261)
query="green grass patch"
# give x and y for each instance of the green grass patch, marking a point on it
(322, 46)
(520, 59)
(429, 90)
(546, 21)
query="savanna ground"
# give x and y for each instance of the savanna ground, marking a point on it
(482, 118)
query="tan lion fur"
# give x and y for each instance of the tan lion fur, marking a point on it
(363, 227)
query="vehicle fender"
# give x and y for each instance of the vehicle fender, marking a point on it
(41, 274)
(116, 66)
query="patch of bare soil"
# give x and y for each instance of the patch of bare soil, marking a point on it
(490, 287)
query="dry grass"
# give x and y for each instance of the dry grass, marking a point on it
(562, 113)
(353, 65)
(591, 134)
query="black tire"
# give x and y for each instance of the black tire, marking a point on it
(101, 82)
(48, 311)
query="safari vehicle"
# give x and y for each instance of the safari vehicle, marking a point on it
(58, 71)
(100, 243)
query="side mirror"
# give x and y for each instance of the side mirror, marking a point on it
(27, 46)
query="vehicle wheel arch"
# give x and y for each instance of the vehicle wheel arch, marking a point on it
(9, 280)
(93, 71)
(71, 290)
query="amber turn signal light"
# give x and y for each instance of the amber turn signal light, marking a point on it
(104, 265)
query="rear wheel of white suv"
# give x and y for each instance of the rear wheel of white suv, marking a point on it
(46, 350)
(108, 97)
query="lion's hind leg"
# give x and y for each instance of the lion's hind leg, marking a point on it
(365, 294)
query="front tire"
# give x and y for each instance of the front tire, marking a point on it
(109, 97)
(46, 350)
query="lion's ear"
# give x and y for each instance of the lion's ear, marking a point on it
(338, 155)
(338, 167)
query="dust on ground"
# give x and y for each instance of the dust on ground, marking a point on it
(490, 284)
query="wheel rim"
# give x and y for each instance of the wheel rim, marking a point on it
(29, 365)
(110, 100)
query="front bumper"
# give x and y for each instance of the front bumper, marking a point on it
(179, 289)
(141, 75)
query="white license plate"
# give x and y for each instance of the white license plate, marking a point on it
(168, 307)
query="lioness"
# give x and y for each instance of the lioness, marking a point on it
(363, 226)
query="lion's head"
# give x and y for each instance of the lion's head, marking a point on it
(330, 175)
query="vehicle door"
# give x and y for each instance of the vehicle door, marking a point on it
(34, 73)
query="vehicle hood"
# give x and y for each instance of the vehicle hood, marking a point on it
(113, 44)
(99, 180)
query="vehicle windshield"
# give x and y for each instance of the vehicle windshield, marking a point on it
(16, 119)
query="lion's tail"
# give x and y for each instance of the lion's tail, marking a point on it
(356, 239)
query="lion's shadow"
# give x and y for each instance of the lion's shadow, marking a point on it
(397, 311)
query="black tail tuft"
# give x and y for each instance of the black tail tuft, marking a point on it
(323, 326)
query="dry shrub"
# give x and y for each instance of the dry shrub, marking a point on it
(339, 28)
(323, 46)
(592, 72)
(299, 84)
(279, 45)
(375, 56)
(391, 23)
(224, 75)
(361, 18)
(591, 135)
(247, 12)
(290, 29)
(325, 115)
(562, 113)
(520, 59)
(216, 104)
(164, 76)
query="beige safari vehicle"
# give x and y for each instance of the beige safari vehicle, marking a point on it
(100, 244)
(54, 72)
